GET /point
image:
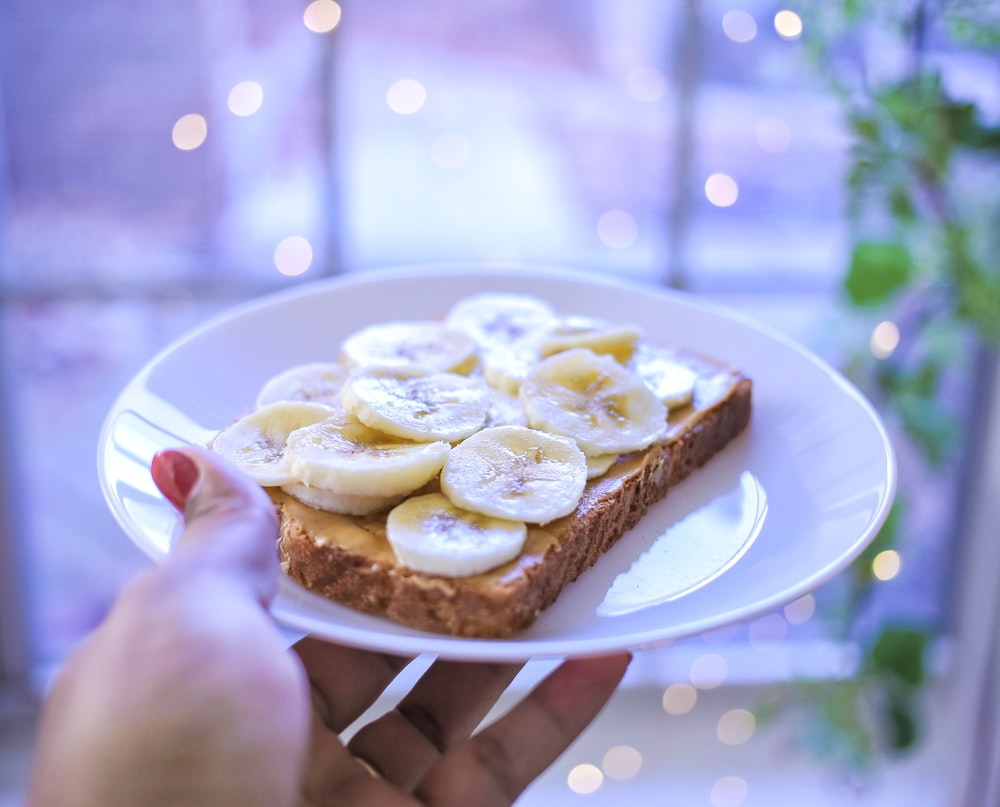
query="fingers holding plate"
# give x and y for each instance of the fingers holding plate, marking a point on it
(499, 762)
(439, 713)
(345, 681)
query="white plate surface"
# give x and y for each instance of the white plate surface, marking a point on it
(782, 509)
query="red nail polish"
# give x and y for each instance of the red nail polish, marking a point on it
(175, 475)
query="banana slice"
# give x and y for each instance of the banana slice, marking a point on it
(431, 345)
(597, 335)
(256, 443)
(319, 382)
(411, 403)
(600, 465)
(430, 534)
(508, 327)
(504, 370)
(504, 410)
(342, 503)
(500, 319)
(670, 379)
(345, 456)
(594, 400)
(517, 473)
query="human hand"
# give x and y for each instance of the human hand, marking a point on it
(187, 695)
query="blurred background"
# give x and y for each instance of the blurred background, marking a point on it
(829, 168)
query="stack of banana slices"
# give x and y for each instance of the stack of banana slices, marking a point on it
(466, 429)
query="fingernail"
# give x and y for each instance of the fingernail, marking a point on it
(175, 475)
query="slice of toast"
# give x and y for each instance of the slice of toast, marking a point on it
(349, 560)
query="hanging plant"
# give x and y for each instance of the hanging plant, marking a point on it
(923, 191)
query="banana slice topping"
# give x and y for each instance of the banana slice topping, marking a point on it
(516, 473)
(504, 370)
(599, 465)
(508, 328)
(319, 382)
(597, 335)
(344, 503)
(256, 443)
(343, 455)
(505, 410)
(432, 345)
(594, 400)
(497, 320)
(430, 534)
(671, 380)
(411, 403)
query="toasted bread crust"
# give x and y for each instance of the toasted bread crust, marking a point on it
(348, 559)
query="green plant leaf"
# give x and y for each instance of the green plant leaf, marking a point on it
(979, 301)
(965, 128)
(924, 380)
(901, 203)
(865, 127)
(928, 425)
(900, 651)
(902, 721)
(885, 539)
(920, 380)
(852, 10)
(878, 270)
(848, 732)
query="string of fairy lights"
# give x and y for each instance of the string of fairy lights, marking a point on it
(616, 229)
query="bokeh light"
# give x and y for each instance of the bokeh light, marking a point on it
(293, 255)
(773, 135)
(736, 727)
(679, 699)
(709, 671)
(617, 229)
(739, 25)
(800, 610)
(621, 763)
(321, 16)
(245, 98)
(189, 132)
(585, 778)
(886, 565)
(884, 339)
(721, 190)
(729, 791)
(767, 632)
(788, 24)
(406, 96)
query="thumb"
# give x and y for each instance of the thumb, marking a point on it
(231, 527)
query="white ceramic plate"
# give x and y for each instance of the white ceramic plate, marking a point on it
(782, 509)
